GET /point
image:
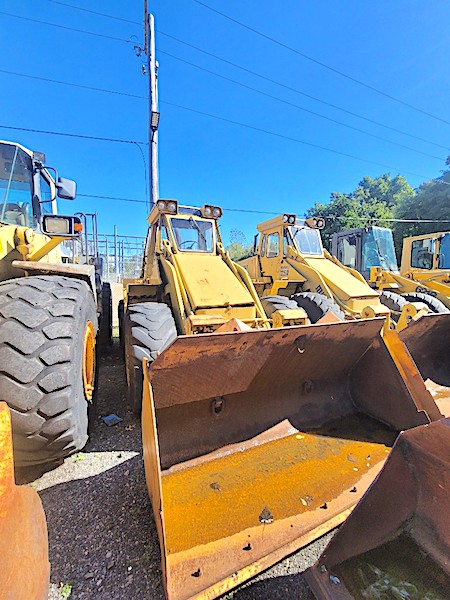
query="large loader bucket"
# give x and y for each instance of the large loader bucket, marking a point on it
(24, 566)
(428, 341)
(256, 443)
(396, 543)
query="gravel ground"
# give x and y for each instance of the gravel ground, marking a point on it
(103, 540)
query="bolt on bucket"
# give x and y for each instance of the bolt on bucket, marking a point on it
(258, 442)
(396, 543)
(25, 570)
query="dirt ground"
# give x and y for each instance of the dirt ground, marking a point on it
(103, 540)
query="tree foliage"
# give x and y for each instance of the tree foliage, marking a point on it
(372, 202)
(238, 247)
(432, 201)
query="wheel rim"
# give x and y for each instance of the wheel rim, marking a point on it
(89, 360)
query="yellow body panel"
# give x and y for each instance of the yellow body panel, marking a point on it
(209, 282)
(343, 285)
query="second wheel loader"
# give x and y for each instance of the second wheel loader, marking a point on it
(260, 432)
(289, 259)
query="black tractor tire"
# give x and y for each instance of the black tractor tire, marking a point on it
(104, 340)
(394, 302)
(273, 303)
(43, 326)
(317, 305)
(120, 313)
(149, 328)
(433, 303)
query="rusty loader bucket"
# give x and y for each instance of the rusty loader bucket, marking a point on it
(256, 443)
(24, 570)
(428, 341)
(396, 543)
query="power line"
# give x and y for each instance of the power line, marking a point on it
(104, 90)
(71, 84)
(263, 212)
(93, 12)
(311, 112)
(320, 63)
(74, 135)
(112, 198)
(292, 139)
(230, 63)
(59, 26)
(297, 91)
(217, 117)
(214, 117)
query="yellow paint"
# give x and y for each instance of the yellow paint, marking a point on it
(88, 366)
(341, 282)
(219, 498)
(24, 572)
(209, 282)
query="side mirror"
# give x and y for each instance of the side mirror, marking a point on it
(59, 225)
(66, 188)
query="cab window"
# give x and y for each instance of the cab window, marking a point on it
(347, 251)
(273, 245)
(16, 186)
(263, 246)
(422, 252)
(46, 196)
(286, 242)
(164, 235)
(193, 235)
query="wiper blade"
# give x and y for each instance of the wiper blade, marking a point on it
(191, 218)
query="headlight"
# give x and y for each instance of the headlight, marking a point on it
(58, 226)
(289, 219)
(167, 206)
(320, 223)
(209, 211)
(61, 225)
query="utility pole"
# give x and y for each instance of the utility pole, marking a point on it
(153, 117)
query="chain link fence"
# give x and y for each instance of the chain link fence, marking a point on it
(115, 256)
(121, 256)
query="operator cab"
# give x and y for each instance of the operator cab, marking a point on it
(27, 190)
(364, 248)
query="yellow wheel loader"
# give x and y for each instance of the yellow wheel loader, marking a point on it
(371, 252)
(25, 569)
(259, 434)
(396, 543)
(49, 312)
(289, 259)
(189, 285)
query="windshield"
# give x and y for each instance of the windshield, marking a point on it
(16, 186)
(193, 235)
(308, 240)
(378, 250)
(444, 252)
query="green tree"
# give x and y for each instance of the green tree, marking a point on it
(238, 247)
(372, 202)
(432, 201)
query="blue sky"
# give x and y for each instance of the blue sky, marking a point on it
(399, 47)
